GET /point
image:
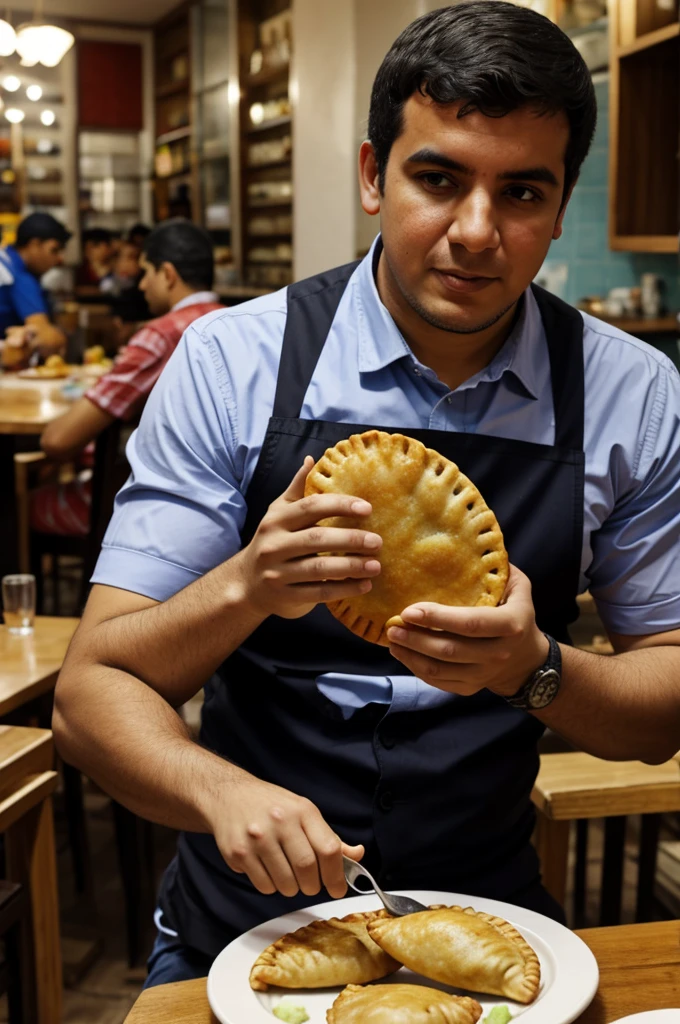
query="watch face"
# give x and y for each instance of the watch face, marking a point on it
(544, 688)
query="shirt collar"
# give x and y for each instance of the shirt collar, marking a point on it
(381, 342)
(194, 299)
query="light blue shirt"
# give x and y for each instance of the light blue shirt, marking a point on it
(195, 451)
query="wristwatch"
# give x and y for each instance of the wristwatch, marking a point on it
(543, 685)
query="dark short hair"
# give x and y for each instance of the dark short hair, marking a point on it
(42, 226)
(185, 245)
(496, 57)
(138, 231)
(97, 236)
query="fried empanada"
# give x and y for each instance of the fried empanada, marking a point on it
(441, 542)
(323, 954)
(401, 1004)
(463, 948)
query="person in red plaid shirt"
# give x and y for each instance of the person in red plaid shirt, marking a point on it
(178, 274)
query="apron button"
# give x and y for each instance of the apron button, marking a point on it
(386, 801)
(387, 740)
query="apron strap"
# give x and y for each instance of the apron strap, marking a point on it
(312, 305)
(563, 327)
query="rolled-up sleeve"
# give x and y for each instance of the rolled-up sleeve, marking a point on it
(635, 572)
(181, 511)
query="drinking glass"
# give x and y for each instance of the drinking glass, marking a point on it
(18, 603)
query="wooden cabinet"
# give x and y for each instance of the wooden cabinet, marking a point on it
(644, 185)
(174, 186)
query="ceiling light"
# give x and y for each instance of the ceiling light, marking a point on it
(256, 113)
(14, 115)
(44, 44)
(11, 83)
(8, 39)
(48, 117)
(34, 92)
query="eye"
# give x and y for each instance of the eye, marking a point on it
(436, 180)
(524, 194)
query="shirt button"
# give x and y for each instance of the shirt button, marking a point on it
(387, 740)
(449, 399)
(417, 372)
(386, 801)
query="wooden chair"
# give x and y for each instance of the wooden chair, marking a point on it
(27, 781)
(17, 970)
(577, 787)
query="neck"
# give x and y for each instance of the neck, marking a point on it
(454, 357)
(183, 291)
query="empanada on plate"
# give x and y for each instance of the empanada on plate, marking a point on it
(401, 1004)
(441, 542)
(324, 954)
(463, 948)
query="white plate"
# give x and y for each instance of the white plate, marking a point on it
(569, 973)
(651, 1017)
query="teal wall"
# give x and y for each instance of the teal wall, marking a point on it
(592, 268)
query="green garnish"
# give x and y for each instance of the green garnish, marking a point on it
(291, 1013)
(498, 1015)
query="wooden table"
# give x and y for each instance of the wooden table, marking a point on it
(29, 665)
(26, 407)
(639, 970)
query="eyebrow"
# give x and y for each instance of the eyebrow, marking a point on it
(431, 156)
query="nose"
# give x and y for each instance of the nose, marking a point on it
(474, 223)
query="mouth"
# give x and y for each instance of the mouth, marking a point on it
(462, 281)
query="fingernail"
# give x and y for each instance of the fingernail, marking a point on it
(360, 506)
(365, 586)
(372, 540)
(373, 565)
(414, 614)
(396, 633)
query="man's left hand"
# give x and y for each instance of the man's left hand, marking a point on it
(463, 650)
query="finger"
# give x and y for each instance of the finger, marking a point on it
(324, 593)
(253, 867)
(296, 488)
(328, 850)
(331, 538)
(302, 859)
(473, 622)
(451, 678)
(448, 647)
(328, 567)
(353, 852)
(306, 512)
(279, 869)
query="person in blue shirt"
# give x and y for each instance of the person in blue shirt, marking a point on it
(419, 757)
(24, 309)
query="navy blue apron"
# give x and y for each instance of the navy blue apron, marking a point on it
(439, 797)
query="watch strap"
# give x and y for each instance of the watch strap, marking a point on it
(553, 665)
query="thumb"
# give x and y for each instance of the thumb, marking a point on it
(353, 852)
(296, 488)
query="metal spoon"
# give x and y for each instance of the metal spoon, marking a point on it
(400, 906)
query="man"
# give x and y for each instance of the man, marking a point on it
(314, 742)
(98, 254)
(177, 283)
(24, 308)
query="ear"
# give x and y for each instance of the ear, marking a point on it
(557, 230)
(170, 274)
(368, 180)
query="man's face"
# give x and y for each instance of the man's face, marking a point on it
(99, 252)
(156, 287)
(41, 255)
(469, 209)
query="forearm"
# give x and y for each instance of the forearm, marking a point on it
(621, 707)
(174, 647)
(135, 746)
(48, 339)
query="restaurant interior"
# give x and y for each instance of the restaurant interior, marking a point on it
(244, 117)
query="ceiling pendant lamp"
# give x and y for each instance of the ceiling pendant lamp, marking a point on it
(40, 43)
(8, 38)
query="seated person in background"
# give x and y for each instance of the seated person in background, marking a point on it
(24, 306)
(98, 252)
(138, 234)
(128, 303)
(178, 275)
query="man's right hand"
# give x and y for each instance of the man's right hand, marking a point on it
(281, 570)
(279, 840)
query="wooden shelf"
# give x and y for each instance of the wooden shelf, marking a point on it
(174, 136)
(276, 122)
(641, 325)
(174, 174)
(263, 204)
(644, 243)
(649, 39)
(270, 75)
(268, 166)
(269, 235)
(172, 89)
